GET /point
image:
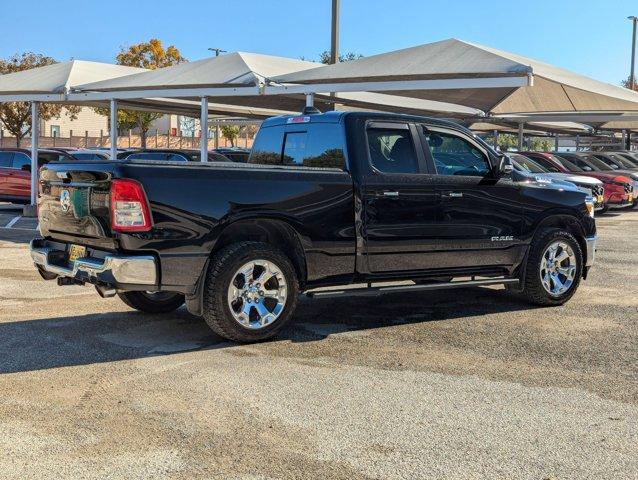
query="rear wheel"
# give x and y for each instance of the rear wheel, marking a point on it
(153, 302)
(250, 292)
(554, 268)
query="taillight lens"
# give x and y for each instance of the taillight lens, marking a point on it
(129, 207)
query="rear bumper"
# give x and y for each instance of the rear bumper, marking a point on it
(110, 269)
(591, 250)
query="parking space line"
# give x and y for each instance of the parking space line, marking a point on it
(13, 222)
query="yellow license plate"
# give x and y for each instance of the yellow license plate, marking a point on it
(75, 252)
(600, 199)
(630, 199)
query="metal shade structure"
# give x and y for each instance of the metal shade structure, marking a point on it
(532, 128)
(469, 74)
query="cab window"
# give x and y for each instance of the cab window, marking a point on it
(20, 160)
(391, 150)
(6, 159)
(454, 155)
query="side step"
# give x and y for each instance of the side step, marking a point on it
(373, 291)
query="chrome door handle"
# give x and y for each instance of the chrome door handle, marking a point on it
(390, 194)
(452, 195)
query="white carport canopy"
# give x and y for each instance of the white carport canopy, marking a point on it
(51, 84)
(467, 74)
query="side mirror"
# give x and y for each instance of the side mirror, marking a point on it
(505, 166)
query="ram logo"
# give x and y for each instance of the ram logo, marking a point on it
(504, 238)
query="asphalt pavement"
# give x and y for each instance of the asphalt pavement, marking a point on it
(470, 384)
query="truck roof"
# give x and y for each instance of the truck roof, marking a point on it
(338, 117)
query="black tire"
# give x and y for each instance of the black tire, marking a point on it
(605, 209)
(160, 302)
(221, 272)
(534, 291)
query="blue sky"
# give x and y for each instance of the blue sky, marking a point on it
(592, 37)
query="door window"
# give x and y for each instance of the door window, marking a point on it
(20, 160)
(455, 155)
(5, 159)
(392, 151)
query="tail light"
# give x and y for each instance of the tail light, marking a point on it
(129, 207)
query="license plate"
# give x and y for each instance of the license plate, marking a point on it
(75, 252)
(600, 199)
(630, 199)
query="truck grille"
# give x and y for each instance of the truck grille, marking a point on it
(629, 188)
(598, 190)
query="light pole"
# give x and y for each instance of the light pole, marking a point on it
(632, 80)
(217, 51)
(334, 37)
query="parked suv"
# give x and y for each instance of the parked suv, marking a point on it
(15, 171)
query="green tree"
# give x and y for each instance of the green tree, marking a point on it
(16, 116)
(540, 145)
(324, 57)
(230, 132)
(150, 55)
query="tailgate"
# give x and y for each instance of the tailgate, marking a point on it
(74, 202)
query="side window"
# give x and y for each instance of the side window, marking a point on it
(20, 160)
(268, 146)
(391, 150)
(582, 164)
(147, 156)
(6, 159)
(455, 155)
(176, 157)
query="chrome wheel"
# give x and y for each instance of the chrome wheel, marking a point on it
(558, 268)
(257, 294)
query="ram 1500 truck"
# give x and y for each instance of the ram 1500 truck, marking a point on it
(329, 199)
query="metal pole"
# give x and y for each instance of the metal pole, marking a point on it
(217, 133)
(203, 138)
(577, 142)
(113, 131)
(556, 142)
(521, 126)
(310, 99)
(632, 78)
(495, 133)
(624, 139)
(628, 141)
(334, 37)
(35, 133)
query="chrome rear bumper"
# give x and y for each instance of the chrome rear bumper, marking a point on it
(109, 269)
(591, 250)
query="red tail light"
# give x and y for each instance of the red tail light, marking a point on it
(129, 207)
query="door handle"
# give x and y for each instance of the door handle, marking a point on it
(452, 195)
(388, 194)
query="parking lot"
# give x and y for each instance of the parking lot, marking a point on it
(457, 384)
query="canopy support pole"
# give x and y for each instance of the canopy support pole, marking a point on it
(310, 100)
(577, 142)
(628, 141)
(113, 129)
(203, 137)
(495, 133)
(521, 126)
(556, 142)
(35, 134)
(624, 139)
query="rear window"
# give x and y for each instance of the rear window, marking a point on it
(310, 145)
(21, 160)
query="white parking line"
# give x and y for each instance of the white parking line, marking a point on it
(13, 222)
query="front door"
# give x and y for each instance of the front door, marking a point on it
(19, 182)
(479, 217)
(398, 200)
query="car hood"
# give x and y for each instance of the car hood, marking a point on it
(542, 180)
(570, 177)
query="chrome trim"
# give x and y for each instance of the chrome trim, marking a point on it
(138, 270)
(591, 250)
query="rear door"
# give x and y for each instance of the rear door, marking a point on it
(399, 201)
(479, 216)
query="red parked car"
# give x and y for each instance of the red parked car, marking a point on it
(619, 190)
(15, 171)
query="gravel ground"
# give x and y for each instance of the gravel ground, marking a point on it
(460, 384)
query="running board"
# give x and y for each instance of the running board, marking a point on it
(372, 291)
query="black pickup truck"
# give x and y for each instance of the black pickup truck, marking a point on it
(329, 199)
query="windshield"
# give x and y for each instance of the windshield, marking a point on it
(526, 164)
(568, 164)
(599, 164)
(621, 160)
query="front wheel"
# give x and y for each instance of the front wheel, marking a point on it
(554, 268)
(250, 292)
(152, 302)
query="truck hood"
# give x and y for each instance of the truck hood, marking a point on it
(543, 180)
(579, 179)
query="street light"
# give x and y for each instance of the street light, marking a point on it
(217, 51)
(632, 81)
